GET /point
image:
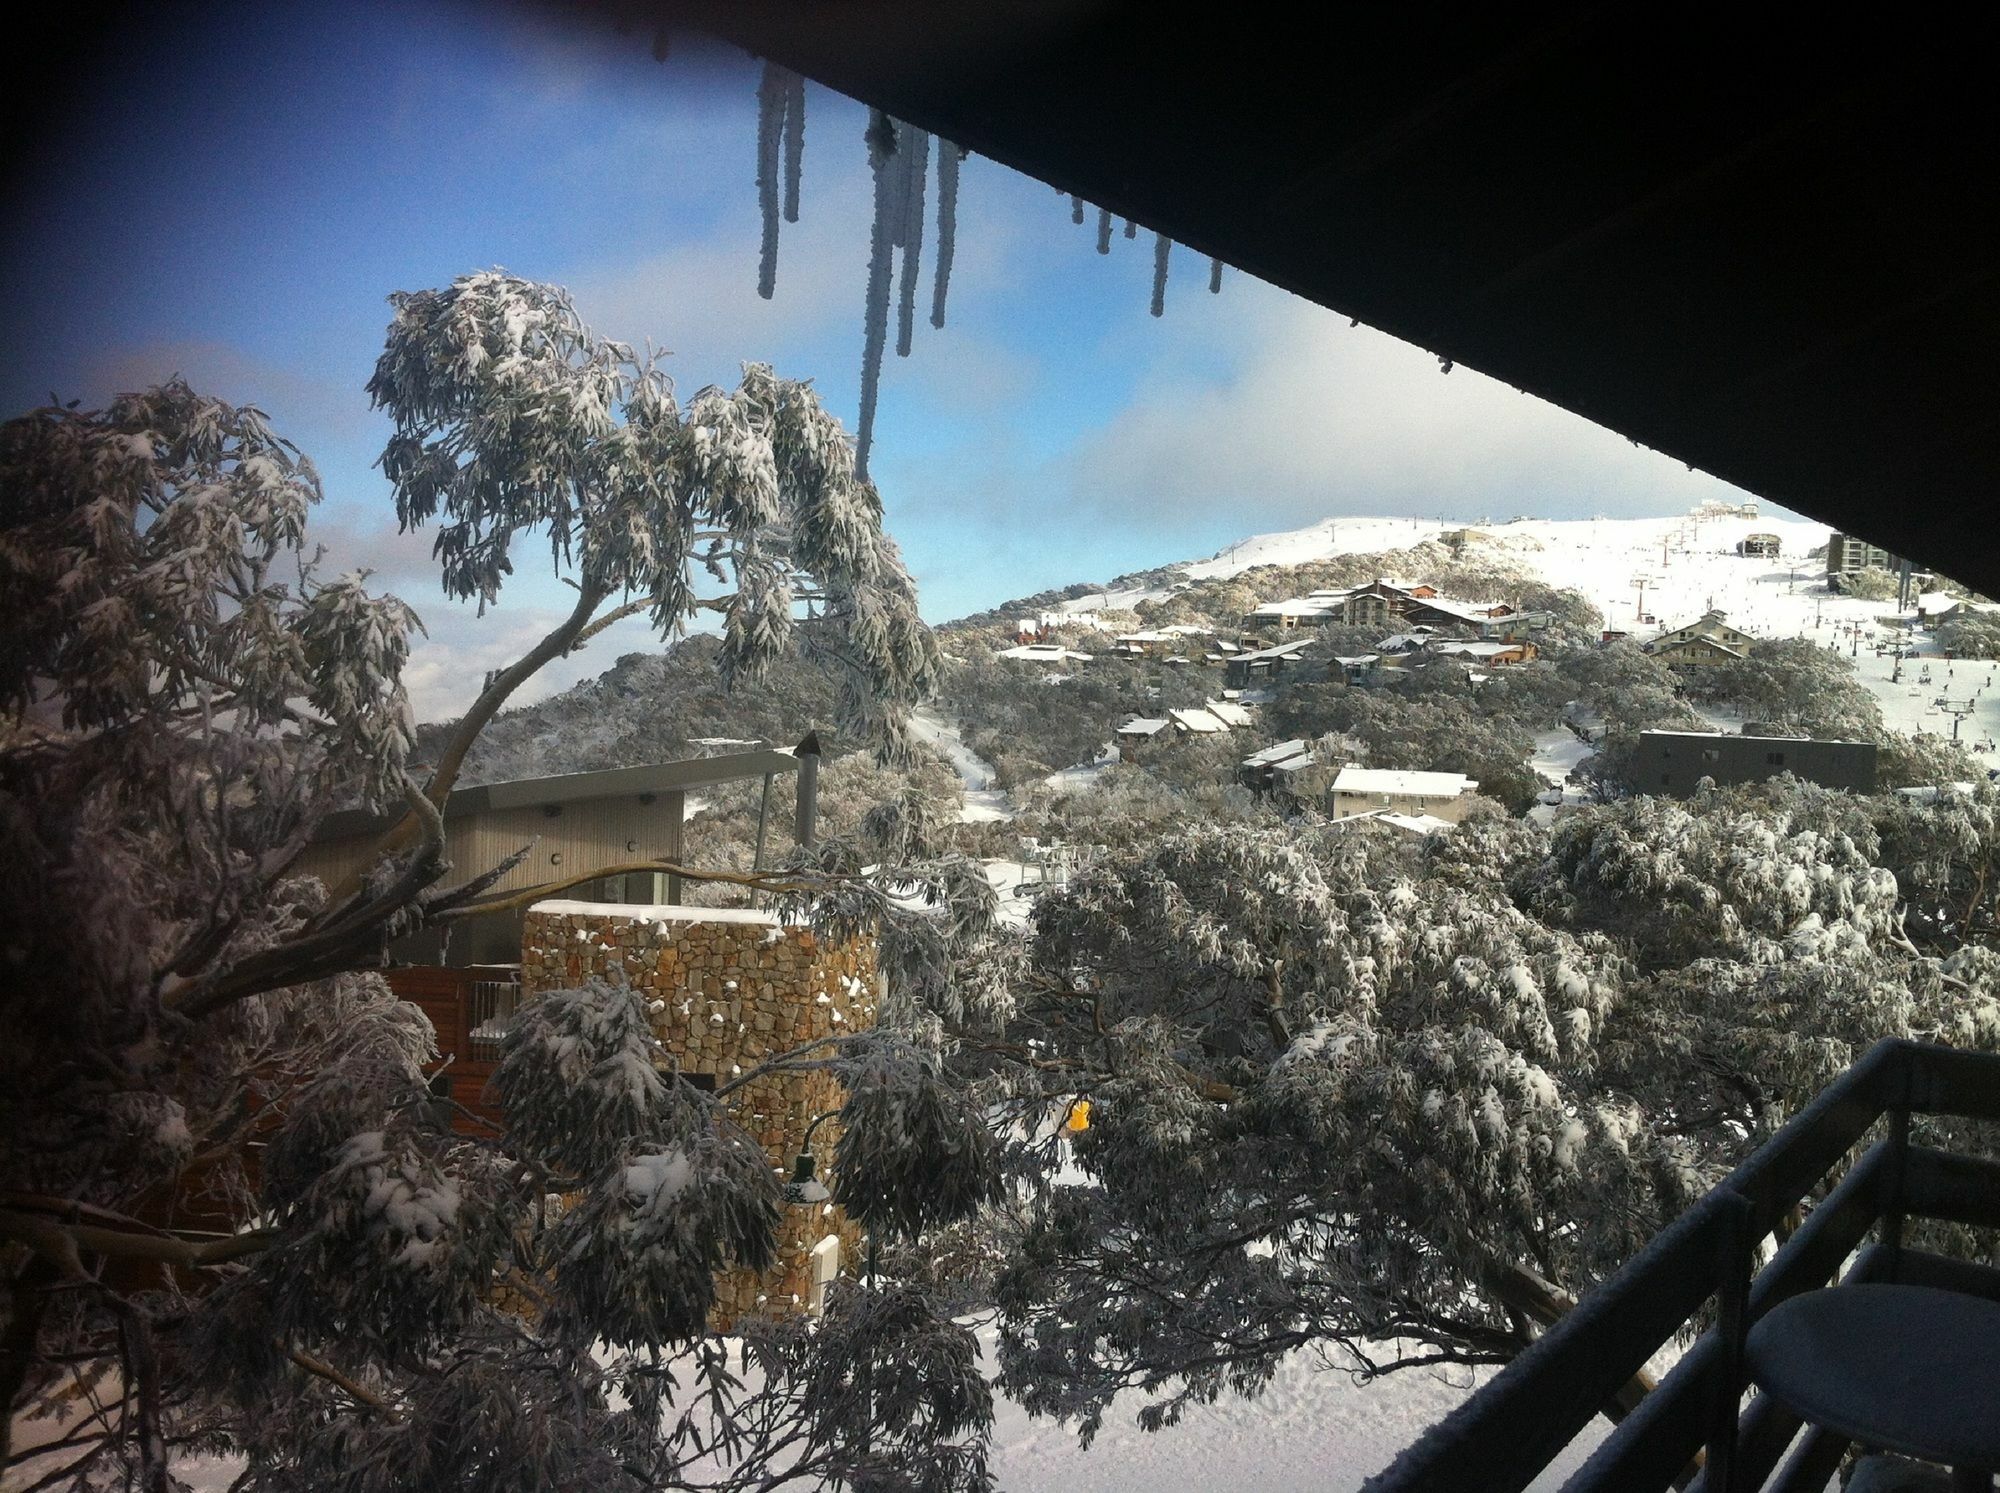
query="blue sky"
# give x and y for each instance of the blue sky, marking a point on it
(240, 214)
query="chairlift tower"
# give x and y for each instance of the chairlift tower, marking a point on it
(1958, 710)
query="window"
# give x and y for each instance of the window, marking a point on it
(1775, 759)
(1710, 754)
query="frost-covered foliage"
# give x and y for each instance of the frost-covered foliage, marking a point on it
(511, 417)
(1971, 635)
(1345, 1089)
(233, 1218)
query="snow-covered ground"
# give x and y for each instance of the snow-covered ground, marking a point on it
(1313, 1430)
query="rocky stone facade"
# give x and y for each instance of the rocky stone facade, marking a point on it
(728, 988)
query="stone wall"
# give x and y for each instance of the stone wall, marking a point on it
(728, 988)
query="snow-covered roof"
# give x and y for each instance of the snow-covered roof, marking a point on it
(1360, 660)
(1292, 606)
(1272, 755)
(1939, 601)
(1278, 650)
(1046, 653)
(1143, 726)
(654, 912)
(1228, 712)
(1404, 642)
(1398, 784)
(1476, 650)
(1417, 824)
(1200, 722)
(1147, 635)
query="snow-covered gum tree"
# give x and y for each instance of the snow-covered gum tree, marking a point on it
(1402, 1103)
(231, 1219)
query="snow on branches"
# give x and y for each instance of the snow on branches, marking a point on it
(511, 415)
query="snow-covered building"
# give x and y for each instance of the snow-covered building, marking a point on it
(1260, 770)
(1136, 732)
(1934, 607)
(1295, 611)
(1766, 546)
(1704, 642)
(1259, 665)
(1197, 722)
(1361, 790)
(1229, 712)
(1487, 654)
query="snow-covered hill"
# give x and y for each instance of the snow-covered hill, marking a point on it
(1669, 570)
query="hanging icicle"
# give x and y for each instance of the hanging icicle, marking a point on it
(916, 153)
(1163, 247)
(772, 93)
(1104, 230)
(882, 164)
(1131, 228)
(1075, 208)
(949, 155)
(1215, 277)
(795, 141)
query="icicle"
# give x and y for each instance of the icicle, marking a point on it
(881, 137)
(1162, 248)
(1075, 208)
(1215, 277)
(917, 154)
(1104, 230)
(795, 142)
(949, 155)
(771, 91)
(1131, 228)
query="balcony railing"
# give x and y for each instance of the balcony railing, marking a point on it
(1507, 1433)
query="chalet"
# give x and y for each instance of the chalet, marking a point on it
(1260, 665)
(1259, 771)
(1934, 607)
(1360, 790)
(1673, 762)
(1201, 722)
(1765, 546)
(1360, 668)
(1417, 825)
(1229, 712)
(1136, 732)
(1413, 641)
(1702, 644)
(1296, 611)
(1486, 654)
(1513, 624)
(1028, 629)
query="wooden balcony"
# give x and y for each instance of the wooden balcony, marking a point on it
(1508, 1432)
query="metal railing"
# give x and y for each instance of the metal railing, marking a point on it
(1519, 1422)
(489, 1003)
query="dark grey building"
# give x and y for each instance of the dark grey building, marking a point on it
(1672, 762)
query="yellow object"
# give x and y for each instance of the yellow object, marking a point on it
(1078, 1118)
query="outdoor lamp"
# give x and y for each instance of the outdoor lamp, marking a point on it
(1077, 1120)
(804, 1186)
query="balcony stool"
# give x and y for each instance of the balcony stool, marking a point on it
(1884, 1474)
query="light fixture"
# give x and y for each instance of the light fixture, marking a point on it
(804, 1186)
(1078, 1119)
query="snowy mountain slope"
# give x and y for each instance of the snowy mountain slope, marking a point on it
(1688, 564)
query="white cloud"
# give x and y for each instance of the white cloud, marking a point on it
(1298, 415)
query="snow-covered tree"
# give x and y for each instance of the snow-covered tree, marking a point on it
(1345, 1089)
(231, 1216)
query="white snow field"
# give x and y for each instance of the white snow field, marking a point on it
(1313, 1430)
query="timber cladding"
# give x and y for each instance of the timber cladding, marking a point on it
(727, 989)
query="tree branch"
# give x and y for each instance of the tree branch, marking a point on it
(321, 1369)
